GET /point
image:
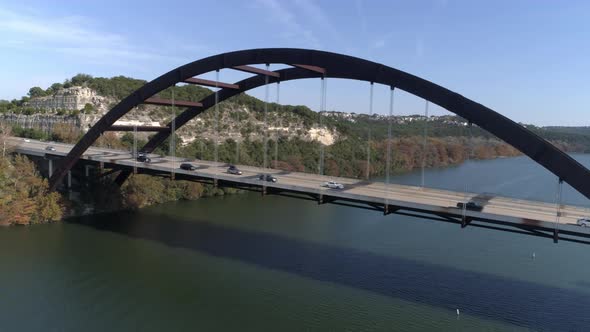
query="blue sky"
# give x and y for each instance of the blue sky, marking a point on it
(529, 60)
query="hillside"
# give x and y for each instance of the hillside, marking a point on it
(65, 110)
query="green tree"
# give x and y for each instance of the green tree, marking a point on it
(81, 79)
(36, 92)
(88, 108)
(54, 88)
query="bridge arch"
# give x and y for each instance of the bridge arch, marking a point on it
(335, 66)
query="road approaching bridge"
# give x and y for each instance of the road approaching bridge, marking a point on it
(500, 213)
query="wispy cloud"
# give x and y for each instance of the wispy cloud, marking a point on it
(291, 29)
(69, 35)
(360, 12)
(318, 16)
(379, 43)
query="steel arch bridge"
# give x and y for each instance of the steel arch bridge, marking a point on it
(319, 64)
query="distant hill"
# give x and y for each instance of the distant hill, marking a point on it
(241, 117)
(569, 130)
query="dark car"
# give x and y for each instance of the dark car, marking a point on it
(471, 205)
(234, 170)
(267, 177)
(143, 158)
(50, 148)
(188, 167)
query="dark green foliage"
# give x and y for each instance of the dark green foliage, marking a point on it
(36, 92)
(81, 79)
(54, 88)
(88, 109)
(117, 87)
(29, 133)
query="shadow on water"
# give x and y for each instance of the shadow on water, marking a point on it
(518, 302)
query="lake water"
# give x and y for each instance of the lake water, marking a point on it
(252, 263)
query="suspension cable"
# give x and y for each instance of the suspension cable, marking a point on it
(324, 95)
(320, 120)
(216, 120)
(558, 207)
(238, 138)
(424, 142)
(173, 131)
(279, 124)
(388, 160)
(368, 172)
(468, 159)
(135, 155)
(265, 145)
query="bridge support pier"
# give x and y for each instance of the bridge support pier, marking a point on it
(69, 179)
(323, 199)
(50, 167)
(87, 170)
(389, 209)
(555, 236)
(465, 221)
(101, 167)
(320, 199)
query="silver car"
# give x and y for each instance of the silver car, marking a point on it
(584, 222)
(333, 185)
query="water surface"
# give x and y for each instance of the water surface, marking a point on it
(253, 263)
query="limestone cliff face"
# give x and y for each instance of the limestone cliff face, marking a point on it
(74, 98)
(45, 122)
(236, 121)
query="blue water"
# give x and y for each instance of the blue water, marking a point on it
(253, 263)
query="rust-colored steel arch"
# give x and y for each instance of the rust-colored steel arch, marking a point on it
(343, 66)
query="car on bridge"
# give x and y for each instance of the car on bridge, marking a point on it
(267, 177)
(143, 158)
(27, 140)
(50, 148)
(584, 222)
(471, 205)
(333, 185)
(232, 169)
(188, 167)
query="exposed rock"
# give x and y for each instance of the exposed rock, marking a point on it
(322, 135)
(74, 98)
(234, 121)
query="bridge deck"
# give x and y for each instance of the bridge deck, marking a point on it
(522, 214)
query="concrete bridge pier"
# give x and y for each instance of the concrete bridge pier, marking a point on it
(50, 167)
(70, 179)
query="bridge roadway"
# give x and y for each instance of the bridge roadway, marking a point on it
(524, 215)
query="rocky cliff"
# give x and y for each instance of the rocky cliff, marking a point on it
(74, 98)
(234, 120)
(46, 122)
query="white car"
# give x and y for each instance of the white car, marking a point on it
(584, 222)
(27, 140)
(333, 185)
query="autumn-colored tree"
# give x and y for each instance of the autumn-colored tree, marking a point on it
(142, 190)
(67, 133)
(24, 194)
(109, 140)
(5, 132)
